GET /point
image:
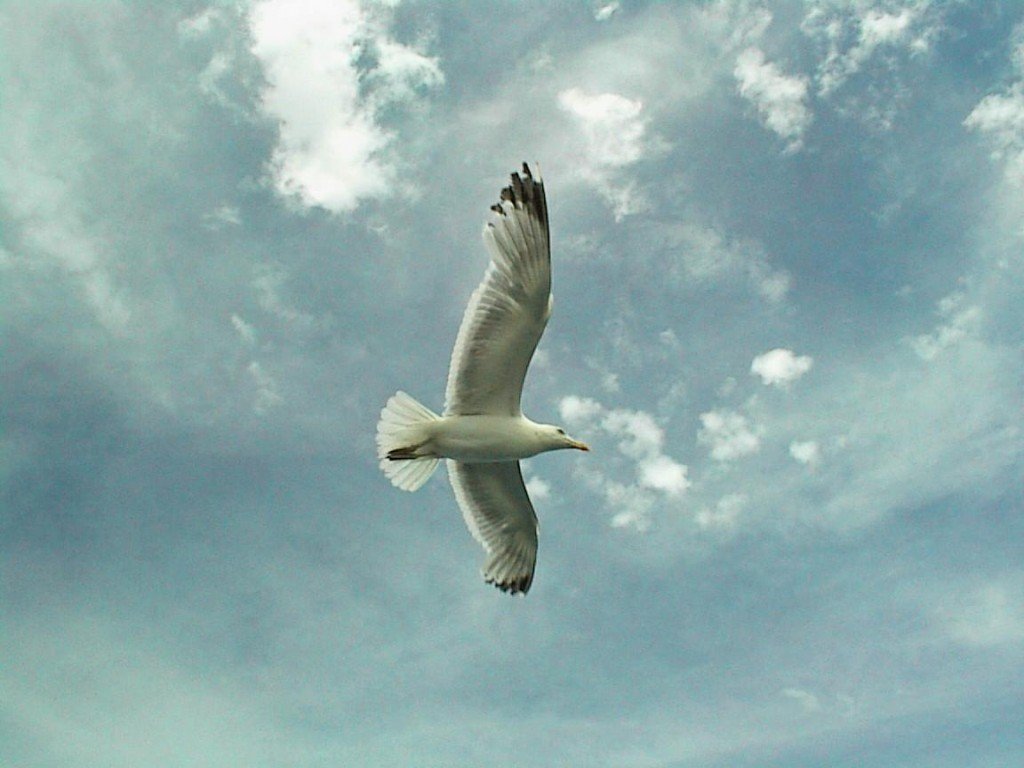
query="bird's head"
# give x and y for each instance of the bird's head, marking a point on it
(558, 439)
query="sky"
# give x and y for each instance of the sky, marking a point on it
(788, 272)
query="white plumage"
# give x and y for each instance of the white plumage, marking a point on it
(483, 433)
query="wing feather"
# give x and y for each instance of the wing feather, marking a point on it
(498, 512)
(509, 310)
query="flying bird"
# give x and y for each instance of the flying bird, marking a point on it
(483, 433)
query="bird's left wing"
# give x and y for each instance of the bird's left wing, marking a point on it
(509, 310)
(500, 516)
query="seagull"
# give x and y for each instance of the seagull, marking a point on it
(483, 433)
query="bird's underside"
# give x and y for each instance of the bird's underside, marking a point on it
(502, 324)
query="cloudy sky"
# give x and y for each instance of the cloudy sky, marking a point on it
(788, 280)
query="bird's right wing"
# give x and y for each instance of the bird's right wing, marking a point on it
(500, 516)
(509, 310)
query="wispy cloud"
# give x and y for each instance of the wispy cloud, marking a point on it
(854, 33)
(985, 615)
(959, 320)
(705, 255)
(871, 40)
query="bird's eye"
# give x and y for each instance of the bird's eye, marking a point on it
(561, 431)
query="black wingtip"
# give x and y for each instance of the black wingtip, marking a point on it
(525, 192)
(518, 586)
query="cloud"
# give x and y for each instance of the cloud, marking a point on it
(222, 216)
(724, 516)
(855, 33)
(806, 452)
(869, 43)
(634, 505)
(987, 615)
(641, 440)
(605, 11)
(807, 700)
(54, 223)
(245, 330)
(1000, 117)
(267, 395)
(538, 488)
(705, 255)
(661, 473)
(231, 78)
(780, 99)
(614, 137)
(780, 367)
(728, 434)
(268, 285)
(575, 410)
(959, 323)
(332, 148)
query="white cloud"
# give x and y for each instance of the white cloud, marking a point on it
(605, 11)
(614, 137)
(634, 505)
(1000, 118)
(780, 367)
(612, 125)
(641, 434)
(959, 322)
(578, 410)
(723, 517)
(806, 452)
(779, 98)
(331, 148)
(807, 700)
(881, 28)
(641, 440)
(538, 488)
(855, 33)
(661, 473)
(728, 434)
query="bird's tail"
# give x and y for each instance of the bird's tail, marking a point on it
(401, 434)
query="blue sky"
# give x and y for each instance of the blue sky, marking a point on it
(787, 273)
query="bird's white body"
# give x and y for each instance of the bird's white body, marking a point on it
(476, 439)
(483, 433)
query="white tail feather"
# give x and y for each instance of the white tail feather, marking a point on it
(403, 429)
